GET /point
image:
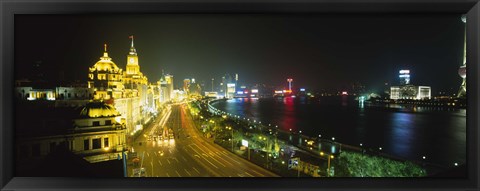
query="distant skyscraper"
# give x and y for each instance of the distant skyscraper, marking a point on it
(289, 80)
(407, 90)
(186, 85)
(462, 71)
(404, 77)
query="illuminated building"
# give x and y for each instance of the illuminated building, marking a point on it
(61, 96)
(289, 80)
(404, 76)
(166, 84)
(94, 132)
(230, 90)
(462, 71)
(186, 85)
(105, 78)
(407, 90)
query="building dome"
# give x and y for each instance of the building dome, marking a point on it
(98, 109)
(105, 64)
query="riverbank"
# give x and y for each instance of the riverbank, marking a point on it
(294, 154)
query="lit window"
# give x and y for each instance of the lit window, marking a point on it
(105, 142)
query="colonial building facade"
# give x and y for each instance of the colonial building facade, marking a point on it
(128, 100)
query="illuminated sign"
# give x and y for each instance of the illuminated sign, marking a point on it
(404, 71)
(246, 92)
(253, 95)
(302, 89)
(278, 91)
(244, 143)
(240, 93)
(243, 87)
(344, 93)
(405, 76)
(230, 85)
(254, 91)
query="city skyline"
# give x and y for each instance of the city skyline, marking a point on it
(251, 44)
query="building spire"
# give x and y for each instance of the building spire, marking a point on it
(105, 53)
(133, 51)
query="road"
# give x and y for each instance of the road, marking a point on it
(189, 154)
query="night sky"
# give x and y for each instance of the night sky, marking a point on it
(316, 50)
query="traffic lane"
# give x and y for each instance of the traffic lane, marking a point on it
(168, 163)
(236, 165)
(173, 162)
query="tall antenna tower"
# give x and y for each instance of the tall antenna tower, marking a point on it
(462, 71)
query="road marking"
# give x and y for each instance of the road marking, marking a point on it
(176, 159)
(168, 174)
(248, 174)
(240, 175)
(155, 153)
(160, 163)
(203, 157)
(178, 173)
(168, 161)
(187, 172)
(184, 159)
(196, 170)
(148, 155)
(257, 172)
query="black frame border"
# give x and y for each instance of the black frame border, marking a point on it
(8, 9)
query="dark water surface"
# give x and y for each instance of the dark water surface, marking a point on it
(403, 131)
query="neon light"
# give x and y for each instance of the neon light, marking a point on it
(302, 89)
(404, 71)
(278, 91)
(240, 93)
(344, 93)
(254, 90)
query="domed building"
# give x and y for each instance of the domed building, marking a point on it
(98, 109)
(94, 132)
(106, 78)
(100, 133)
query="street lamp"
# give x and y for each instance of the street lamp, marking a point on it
(230, 128)
(330, 156)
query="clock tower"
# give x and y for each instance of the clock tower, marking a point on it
(132, 60)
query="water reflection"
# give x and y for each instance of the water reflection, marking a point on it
(407, 132)
(401, 134)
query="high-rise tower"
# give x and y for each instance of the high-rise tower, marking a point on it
(462, 71)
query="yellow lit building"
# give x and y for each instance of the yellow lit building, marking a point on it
(97, 133)
(106, 79)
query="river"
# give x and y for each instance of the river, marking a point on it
(407, 132)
